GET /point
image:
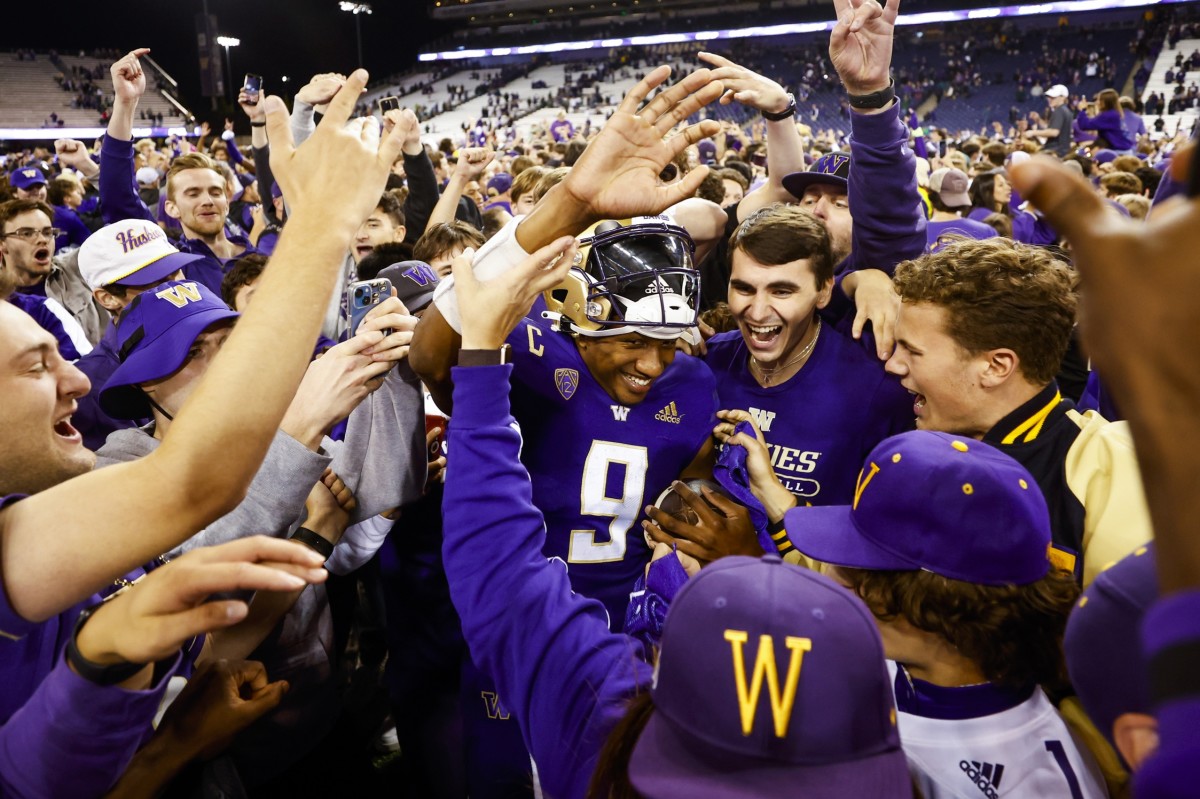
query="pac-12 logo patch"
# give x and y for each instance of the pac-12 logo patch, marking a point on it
(566, 380)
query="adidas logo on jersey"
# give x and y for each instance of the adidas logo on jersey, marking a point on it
(620, 412)
(669, 414)
(986, 776)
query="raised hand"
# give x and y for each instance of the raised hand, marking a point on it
(409, 128)
(252, 107)
(617, 175)
(313, 177)
(334, 385)
(389, 315)
(128, 79)
(472, 161)
(860, 46)
(764, 483)
(169, 606)
(321, 89)
(745, 86)
(491, 309)
(74, 154)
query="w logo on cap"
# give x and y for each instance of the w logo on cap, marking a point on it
(832, 164)
(180, 294)
(765, 669)
(421, 274)
(30, 173)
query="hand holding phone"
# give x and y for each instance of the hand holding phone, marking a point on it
(252, 86)
(390, 103)
(365, 295)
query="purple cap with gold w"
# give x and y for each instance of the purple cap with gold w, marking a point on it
(936, 502)
(831, 169)
(771, 682)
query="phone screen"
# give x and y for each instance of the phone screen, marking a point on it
(252, 85)
(389, 104)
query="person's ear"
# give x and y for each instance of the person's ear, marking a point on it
(171, 209)
(108, 301)
(1136, 737)
(1002, 364)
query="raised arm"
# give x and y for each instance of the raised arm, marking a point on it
(219, 438)
(119, 198)
(470, 165)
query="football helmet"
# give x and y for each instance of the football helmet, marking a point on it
(632, 278)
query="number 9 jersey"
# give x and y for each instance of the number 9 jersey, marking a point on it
(595, 463)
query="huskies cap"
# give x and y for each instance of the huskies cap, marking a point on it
(130, 253)
(771, 682)
(831, 169)
(154, 336)
(935, 502)
(26, 177)
(414, 281)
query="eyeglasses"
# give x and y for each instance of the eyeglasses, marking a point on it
(32, 234)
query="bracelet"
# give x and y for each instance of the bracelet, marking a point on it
(786, 113)
(94, 672)
(258, 124)
(875, 99)
(313, 541)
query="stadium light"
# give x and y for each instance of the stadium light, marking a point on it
(227, 42)
(357, 9)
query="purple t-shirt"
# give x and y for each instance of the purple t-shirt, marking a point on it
(820, 424)
(968, 228)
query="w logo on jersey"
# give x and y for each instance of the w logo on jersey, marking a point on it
(620, 412)
(762, 418)
(765, 669)
(180, 295)
(492, 706)
(566, 381)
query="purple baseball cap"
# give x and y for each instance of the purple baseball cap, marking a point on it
(719, 730)
(935, 502)
(414, 281)
(831, 169)
(1102, 643)
(501, 182)
(153, 338)
(25, 177)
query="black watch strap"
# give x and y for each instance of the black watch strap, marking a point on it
(875, 99)
(313, 541)
(494, 357)
(94, 672)
(786, 113)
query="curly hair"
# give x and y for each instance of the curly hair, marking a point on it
(998, 293)
(1012, 632)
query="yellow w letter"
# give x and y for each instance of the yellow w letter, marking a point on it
(764, 667)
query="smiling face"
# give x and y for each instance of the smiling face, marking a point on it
(626, 366)
(197, 199)
(41, 449)
(774, 305)
(945, 378)
(26, 261)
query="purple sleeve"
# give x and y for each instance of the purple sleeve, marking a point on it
(74, 738)
(556, 665)
(119, 198)
(1032, 229)
(1172, 624)
(889, 224)
(235, 155)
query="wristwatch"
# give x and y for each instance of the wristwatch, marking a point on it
(786, 113)
(496, 357)
(875, 99)
(94, 672)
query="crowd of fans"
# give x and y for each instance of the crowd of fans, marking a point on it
(719, 449)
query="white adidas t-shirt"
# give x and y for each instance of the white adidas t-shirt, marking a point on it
(1024, 752)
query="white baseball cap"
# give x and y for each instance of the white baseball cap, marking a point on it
(1058, 90)
(134, 252)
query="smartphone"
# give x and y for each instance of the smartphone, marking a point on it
(365, 295)
(252, 86)
(437, 448)
(389, 104)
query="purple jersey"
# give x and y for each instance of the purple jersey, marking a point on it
(820, 424)
(596, 463)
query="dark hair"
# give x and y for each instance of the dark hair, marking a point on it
(998, 293)
(995, 152)
(1012, 632)
(521, 163)
(725, 173)
(1150, 178)
(610, 779)
(935, 199)
(575, 149)
(712, 188)
(1001, 223)
(1108, 100)
(392, 207)
(245, 271)
(982, 191)
(780, 234)
(493, 220)
(742, 168)
(59, 188)
(381, 257)
(1116, 183)
(442, 238)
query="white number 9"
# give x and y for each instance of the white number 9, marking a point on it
(594, 501)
